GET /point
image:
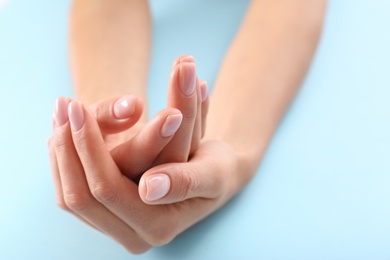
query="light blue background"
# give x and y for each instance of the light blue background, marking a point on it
(322, 191)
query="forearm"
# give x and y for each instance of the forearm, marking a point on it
(109, 48)
(261, 73)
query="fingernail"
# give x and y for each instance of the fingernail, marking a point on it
(61, 111)
(171, 124)
(157, 186)
(48, 140)
(187, 58)
(124, 107)
(187, 78)
(76, 116)
(203, 90)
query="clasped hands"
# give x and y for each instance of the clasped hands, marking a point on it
(141, 183)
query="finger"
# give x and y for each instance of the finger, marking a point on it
(58, 187)
(116, 114)
(202, 105)
(138, 154)
(113, 190)
(183, 58)
(201, 177)
(183, 96)
(197, 127)
(77, 195)
(54, 166)
(56, 176)
(205, 104)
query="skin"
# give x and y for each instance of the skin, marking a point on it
(262, 71)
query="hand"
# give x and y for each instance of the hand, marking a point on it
(95, 190)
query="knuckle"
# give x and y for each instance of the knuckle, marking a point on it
(76, 202)
(135, 247)
(97, 112)
(62, 205)
(189, 114)
(60, 144)
(188, 184)
(159, 237)
(104, 194)
(160, 232)
(136, 250)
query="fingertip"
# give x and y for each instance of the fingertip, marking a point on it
(187, 58)
(124, 107)
(61, 111)
(116, 114)
(203, 90)
(187, 78)
(183, 58)
(76, 116)
(154, 187)
(171, 125)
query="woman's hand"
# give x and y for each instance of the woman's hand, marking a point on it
(94, 189)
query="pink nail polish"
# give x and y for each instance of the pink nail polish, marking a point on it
(76, 116)
(187, 78)
(61, 111)
(171, 125)
(157, 186)
(124, 107)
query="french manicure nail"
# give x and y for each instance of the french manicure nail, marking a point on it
(61, 111)
(124, 107)
(187, 78)
(157, 186)
(76, 116)
(171, 124)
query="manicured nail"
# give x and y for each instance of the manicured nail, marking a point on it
(187, 58)
(187, 78)
(157, 186)
(203, 90)
(124, 107)
(76, 116)
(61, 111)
(171, 124)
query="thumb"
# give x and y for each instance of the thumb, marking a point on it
(115, 114)
(175, 182)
